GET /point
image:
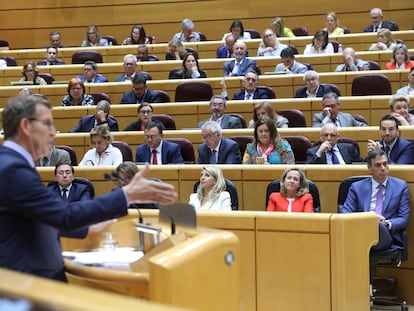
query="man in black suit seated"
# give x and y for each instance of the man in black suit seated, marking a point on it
(312, 87)
(250, 90)
(217, 109)
(51, 57)
(101, 116)
(377, 22)
(240, 64)
(330, 151)
(217, 149)
(140, 93)
(142, 54)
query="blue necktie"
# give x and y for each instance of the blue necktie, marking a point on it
(379, 202)
(335, 159)
(213, 159)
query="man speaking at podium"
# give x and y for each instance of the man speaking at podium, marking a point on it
(30, 214)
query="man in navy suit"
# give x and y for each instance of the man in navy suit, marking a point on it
(387, 196)
(140, 93)
(130, 67)
(101, 116)
(329, 151)
(250, 88)
(51, 57)
(217, 149)
(90, 73)
(331, 114)
(240, 64)
(377, 22)
(30, 216)
(226, 51)
(312, 87)
(157, 150)
(217, 109)
(398, 150)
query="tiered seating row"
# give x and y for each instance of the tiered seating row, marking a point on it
(284, 86)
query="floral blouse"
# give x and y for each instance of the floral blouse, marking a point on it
(281, 154)
(86, 100)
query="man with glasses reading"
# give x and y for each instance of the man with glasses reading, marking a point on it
(329, 151)
(156, 150)
(51, 57)
(217, 149)
(140, 93)
(312, 87)
(331, 114)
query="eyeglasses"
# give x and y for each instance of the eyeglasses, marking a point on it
(130, 64)
(87, 69)
(91, 33)
(146, 137)
(144, 112)
(29, 70)
(329, 134)
(77, 89)
(311, 80)
(208, 136)
(46, 122)
(269, 35)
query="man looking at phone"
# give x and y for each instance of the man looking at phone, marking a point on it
(331, 114)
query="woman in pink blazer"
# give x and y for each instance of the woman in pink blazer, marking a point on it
(294, 193)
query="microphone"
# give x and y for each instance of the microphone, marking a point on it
(119, 177)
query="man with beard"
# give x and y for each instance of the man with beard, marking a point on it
(217, 110)
(240, 64)
(397, 150)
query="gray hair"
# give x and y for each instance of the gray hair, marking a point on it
(215, 126)
(220, 97)
(310, 73)
(187, 24)
(128, 56)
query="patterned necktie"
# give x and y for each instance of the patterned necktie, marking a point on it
(387, 152)
(248, 96)
(154, 157)
(335, 159)
(65, 194)
(213, 159)
(379, 202)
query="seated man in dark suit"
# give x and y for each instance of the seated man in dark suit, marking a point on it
(331, 113)
(226, 51)
(331, 152)
(90, 73)
(156, 150)
(312, 87)
(130, 68)
(101, 116)
(51, 57)
(217, 109)
(387, 196)
(250, 90)
(143, 56)
(140, 93)
(397, 149)
(240, 64)
(217, 149)
(377, 22)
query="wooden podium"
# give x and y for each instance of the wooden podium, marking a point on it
(197, 268)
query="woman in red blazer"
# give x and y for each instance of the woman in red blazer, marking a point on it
(294, 193)
(400, 58)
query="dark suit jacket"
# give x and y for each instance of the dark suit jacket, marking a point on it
(401, 153)
(170, 153)
(323, 89)
(247, 65)
(176, 74)
(88, 122)
(98, 78)
(385, 24)
(31, 215)
(227, 122)
(229, 153)
(222, 52)
(396, 203)
(44, 62)
(149, 97)
(347, 151)
(258, 94)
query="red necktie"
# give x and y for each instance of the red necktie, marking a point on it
(154, 157)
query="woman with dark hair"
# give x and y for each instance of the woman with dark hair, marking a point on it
(237, 30)
(30, 74)
(145, 111)
(76, 94)
(400, 58)
(189, 70)
(137, 36)
(320, 44)
(267, 146)
(294, 193)
(265, 109)
(92, 37)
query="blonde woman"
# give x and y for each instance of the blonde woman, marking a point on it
(332, 25)
(385, 41)
(92, 37)
(279, 28)
(211, 193)
(270, 45)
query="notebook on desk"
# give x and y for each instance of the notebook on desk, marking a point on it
(270, 73)
(16, 83)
